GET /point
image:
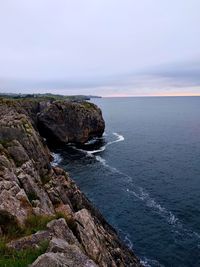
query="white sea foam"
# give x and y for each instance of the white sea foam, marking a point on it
(119, 139)
(91, 142)
(126, 238)
(139, 193)
(104, 163)
(128, 242)
(101, 149)
(96, 151)
(151, 203)
(142, 195)
(150, 263)
(101, 160)
(56, 159)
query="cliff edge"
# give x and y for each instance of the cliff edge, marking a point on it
(45, 220)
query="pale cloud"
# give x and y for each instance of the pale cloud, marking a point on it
(96, 45)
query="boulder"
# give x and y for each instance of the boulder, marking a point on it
(60, 229)
(61, 253)
(73, 257)
(31, 241)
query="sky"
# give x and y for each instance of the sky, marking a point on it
(100, 47)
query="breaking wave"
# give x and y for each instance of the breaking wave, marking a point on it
(56, 159)
(102, 148)
(119, 139)
(150, 263)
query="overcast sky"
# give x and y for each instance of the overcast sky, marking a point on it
(104, 47)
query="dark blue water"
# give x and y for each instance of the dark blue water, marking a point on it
(145, 176)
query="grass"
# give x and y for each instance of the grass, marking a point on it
(9, 226)
(11, 230)
(87, 105)
(33, 224)
(13, 258)
(36, 223)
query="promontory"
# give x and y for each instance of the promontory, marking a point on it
(45, 220)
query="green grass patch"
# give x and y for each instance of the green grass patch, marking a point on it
(88, 105)
(9, 226)
(36, 223)
(11, 229)
(12, 258)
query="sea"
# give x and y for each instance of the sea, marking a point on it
(144, 175)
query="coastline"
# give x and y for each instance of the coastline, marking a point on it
(32, 188)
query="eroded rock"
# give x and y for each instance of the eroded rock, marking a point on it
(29, 186)
(71, 122)
(72, 258)
(61, 253)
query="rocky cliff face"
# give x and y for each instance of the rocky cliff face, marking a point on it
(31, 189)
(71, 122)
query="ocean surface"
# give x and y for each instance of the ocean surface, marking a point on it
(144, 175)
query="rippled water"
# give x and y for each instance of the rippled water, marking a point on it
(144, 175)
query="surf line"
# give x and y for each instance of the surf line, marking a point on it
(56, 159)
(139, 193)
(119, 139)
(101, 149)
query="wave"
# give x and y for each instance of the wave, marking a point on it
(119, 139)
(166, 214)
(96, 151)
(103, 162)
(150, 263)
(93, 141)
(56, 159)
(102, 148)
(140, 193)
(151, 203)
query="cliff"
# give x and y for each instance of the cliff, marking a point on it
(45, 220)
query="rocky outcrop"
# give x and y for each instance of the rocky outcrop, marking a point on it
(62, 254)
(77, 233)
(71, 122)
